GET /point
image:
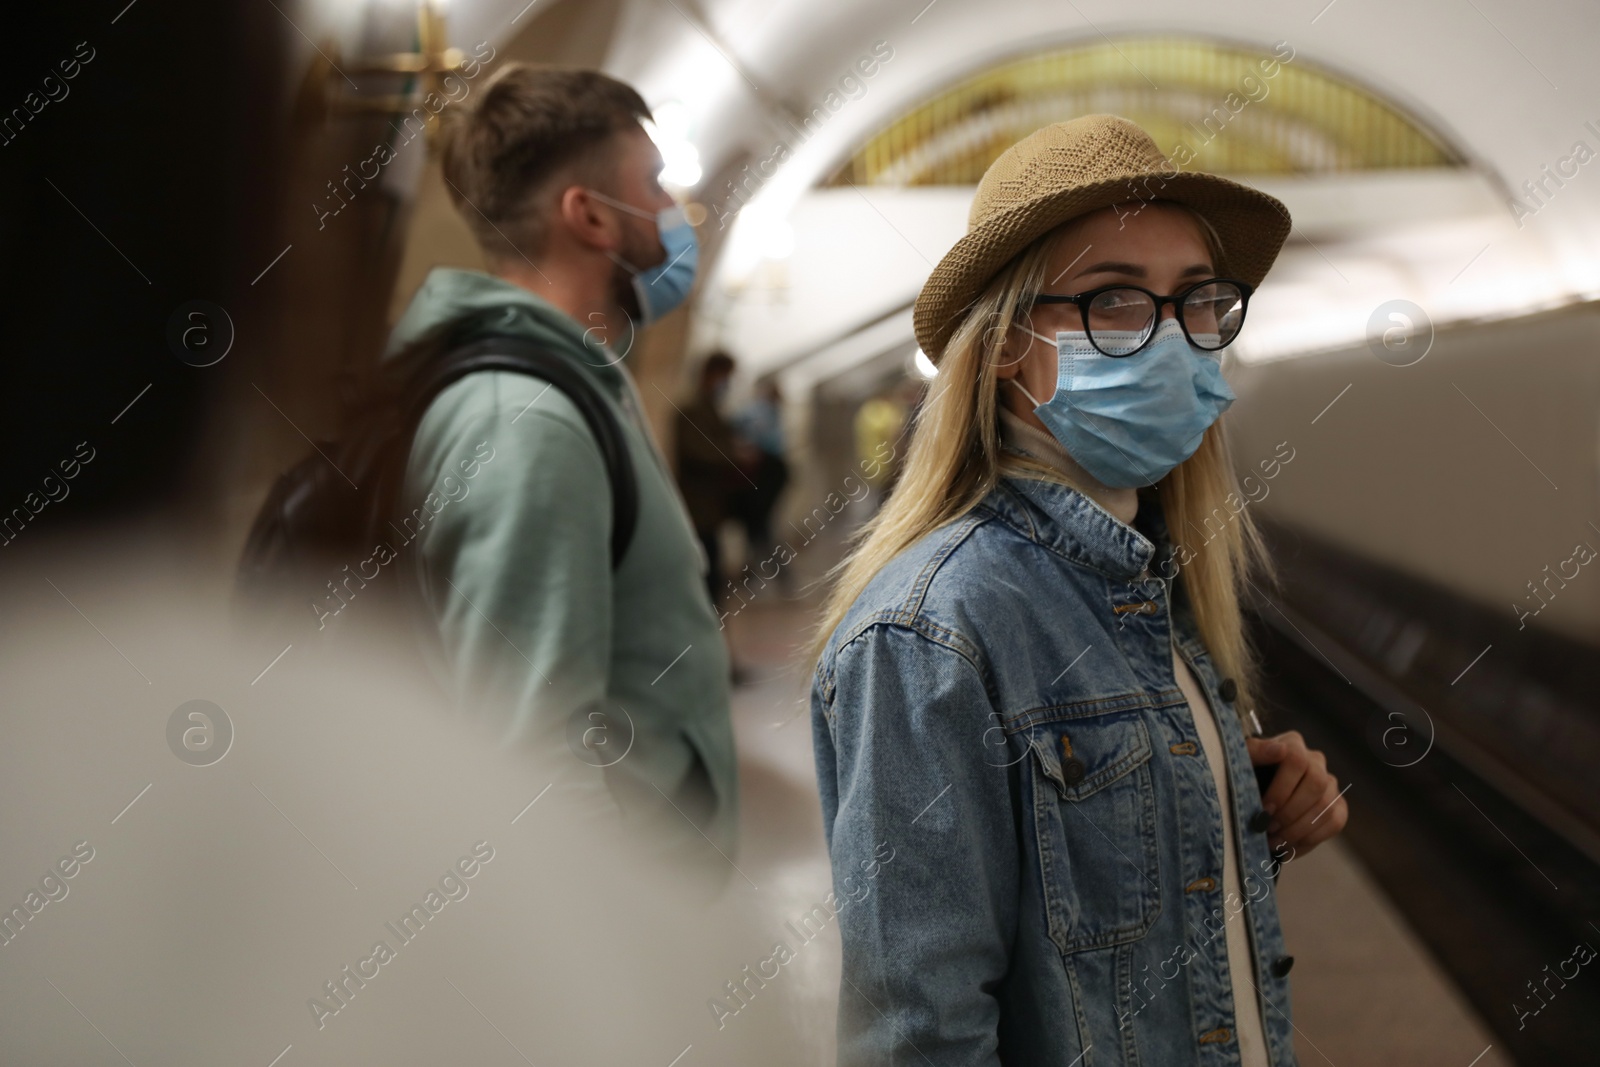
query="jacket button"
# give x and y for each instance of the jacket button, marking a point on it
(1073, 771)
(1259, 822)
(1228, 689)
(1280, 967)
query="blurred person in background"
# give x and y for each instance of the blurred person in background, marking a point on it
(709, 462)
(542, 631)
(881, 430)
(759, 424)
(1032, 690)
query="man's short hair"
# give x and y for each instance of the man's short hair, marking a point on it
(531, 125)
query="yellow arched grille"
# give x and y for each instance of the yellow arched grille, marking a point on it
(1237, 110)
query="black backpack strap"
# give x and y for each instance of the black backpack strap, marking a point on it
(520, 356)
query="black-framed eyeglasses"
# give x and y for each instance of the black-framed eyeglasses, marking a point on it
(1121, 319)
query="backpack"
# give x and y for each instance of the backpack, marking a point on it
(335, 505)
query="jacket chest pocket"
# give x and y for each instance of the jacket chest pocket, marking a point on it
(1095, 814)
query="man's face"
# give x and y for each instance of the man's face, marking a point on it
(716, 383)
(638, 183)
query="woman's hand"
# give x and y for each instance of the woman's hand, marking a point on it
(1304, 800)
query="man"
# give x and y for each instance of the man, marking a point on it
(616, 675)
(707, 467)
(760, 424)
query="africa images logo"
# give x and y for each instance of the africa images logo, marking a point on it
(342, 989)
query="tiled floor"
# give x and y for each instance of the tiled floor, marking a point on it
(1366, 991)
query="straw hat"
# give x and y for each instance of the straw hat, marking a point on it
(1071, 168)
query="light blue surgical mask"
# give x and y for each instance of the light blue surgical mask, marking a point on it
(1131, 420)
(661, 288)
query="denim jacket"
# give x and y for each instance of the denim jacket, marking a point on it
(998, 715)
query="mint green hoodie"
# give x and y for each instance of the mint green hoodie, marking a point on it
(537, 628)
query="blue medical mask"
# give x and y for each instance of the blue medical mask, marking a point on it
(662, 288)
(1129, 421)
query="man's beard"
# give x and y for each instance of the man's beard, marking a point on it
(641, 253)
(622, 292)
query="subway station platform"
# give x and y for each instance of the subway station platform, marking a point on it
(1413, 431)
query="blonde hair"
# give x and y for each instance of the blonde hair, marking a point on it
(955, 460)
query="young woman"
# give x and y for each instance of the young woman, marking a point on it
(1034, 692)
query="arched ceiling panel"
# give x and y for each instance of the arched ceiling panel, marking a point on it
(1218, 107)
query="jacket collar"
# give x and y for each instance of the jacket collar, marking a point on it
(1067, 522)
